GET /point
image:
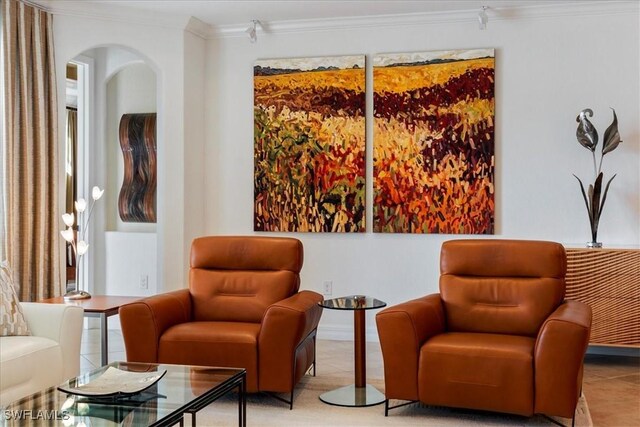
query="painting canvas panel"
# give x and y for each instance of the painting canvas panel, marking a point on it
(309, 144)
(434, 142)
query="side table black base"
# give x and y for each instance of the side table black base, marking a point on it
(353, 396)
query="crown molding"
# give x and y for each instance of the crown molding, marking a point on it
(106, 12)
(600, 8)
(198, 27)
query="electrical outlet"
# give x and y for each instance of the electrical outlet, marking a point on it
(144, 281)
(327, 288)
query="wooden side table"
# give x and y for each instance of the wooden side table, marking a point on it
(608, 280)
(100, 306)
(360, 393)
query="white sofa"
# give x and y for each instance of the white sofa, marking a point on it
(46, 358)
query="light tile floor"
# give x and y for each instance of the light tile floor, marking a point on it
(611, 383)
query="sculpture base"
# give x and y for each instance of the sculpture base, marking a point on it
(76, 295)
(594, 244)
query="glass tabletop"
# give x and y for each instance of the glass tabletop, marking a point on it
(353, 302)
(174, 393)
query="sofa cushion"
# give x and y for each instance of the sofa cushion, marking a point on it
(227, 344)
(28, 363)
(478, 371)
(12, 321)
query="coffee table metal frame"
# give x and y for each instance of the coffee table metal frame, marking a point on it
(358, 394)
(239, 382)
(176, 415)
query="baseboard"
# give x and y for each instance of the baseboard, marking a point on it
(614, 351)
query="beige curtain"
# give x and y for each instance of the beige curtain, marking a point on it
(30, 138)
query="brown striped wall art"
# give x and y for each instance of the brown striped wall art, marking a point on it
(137, 200)
(434, 142)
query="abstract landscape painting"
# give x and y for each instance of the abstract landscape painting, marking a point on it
(309, 144)
(434, 142)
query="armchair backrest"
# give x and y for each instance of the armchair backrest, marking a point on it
(501, 286)
(237, 278)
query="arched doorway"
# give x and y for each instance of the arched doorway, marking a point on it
(110, 81)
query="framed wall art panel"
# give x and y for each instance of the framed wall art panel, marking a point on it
(434, 142)
(309, 144)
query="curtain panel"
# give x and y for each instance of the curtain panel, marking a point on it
(30, 138)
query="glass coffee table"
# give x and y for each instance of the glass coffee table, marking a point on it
(360, 393)
(182, 390)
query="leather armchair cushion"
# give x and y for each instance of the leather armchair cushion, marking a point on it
(238, 296)
(501, 286)
(242, 253)
(503, 258)
(230, 344)
(499, 305)
(478, 371)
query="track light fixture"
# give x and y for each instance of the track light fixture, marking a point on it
(483, 18)
(253, 36)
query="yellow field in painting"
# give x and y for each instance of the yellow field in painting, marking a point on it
(352, 79)
(393, 137)
(433, 150)
(309, 140)
(404, 78)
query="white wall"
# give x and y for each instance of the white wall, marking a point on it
(130, 248)
(194, 136)
(132, 90)
(130, 257)
(548, 68)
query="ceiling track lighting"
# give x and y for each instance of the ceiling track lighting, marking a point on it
(251, 31)
(483, 18)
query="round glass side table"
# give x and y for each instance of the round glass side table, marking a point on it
(360, 393)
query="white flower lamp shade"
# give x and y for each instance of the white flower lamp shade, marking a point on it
(81, 205)
(82, 247)
(96, 193)
(68, 219)
(67, 235)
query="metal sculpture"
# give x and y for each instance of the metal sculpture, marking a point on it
(137, 200)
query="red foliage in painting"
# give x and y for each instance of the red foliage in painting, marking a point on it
(433, 160)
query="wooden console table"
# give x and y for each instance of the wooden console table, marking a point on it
(609, 281)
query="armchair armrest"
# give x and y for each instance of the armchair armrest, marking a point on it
(285, 325)
(61, 323)
(143, 323)
(558, 355)
(403, 329)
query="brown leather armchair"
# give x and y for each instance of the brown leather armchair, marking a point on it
(242, 309)
(498, 337)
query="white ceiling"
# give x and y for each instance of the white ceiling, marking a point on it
(221, 13)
